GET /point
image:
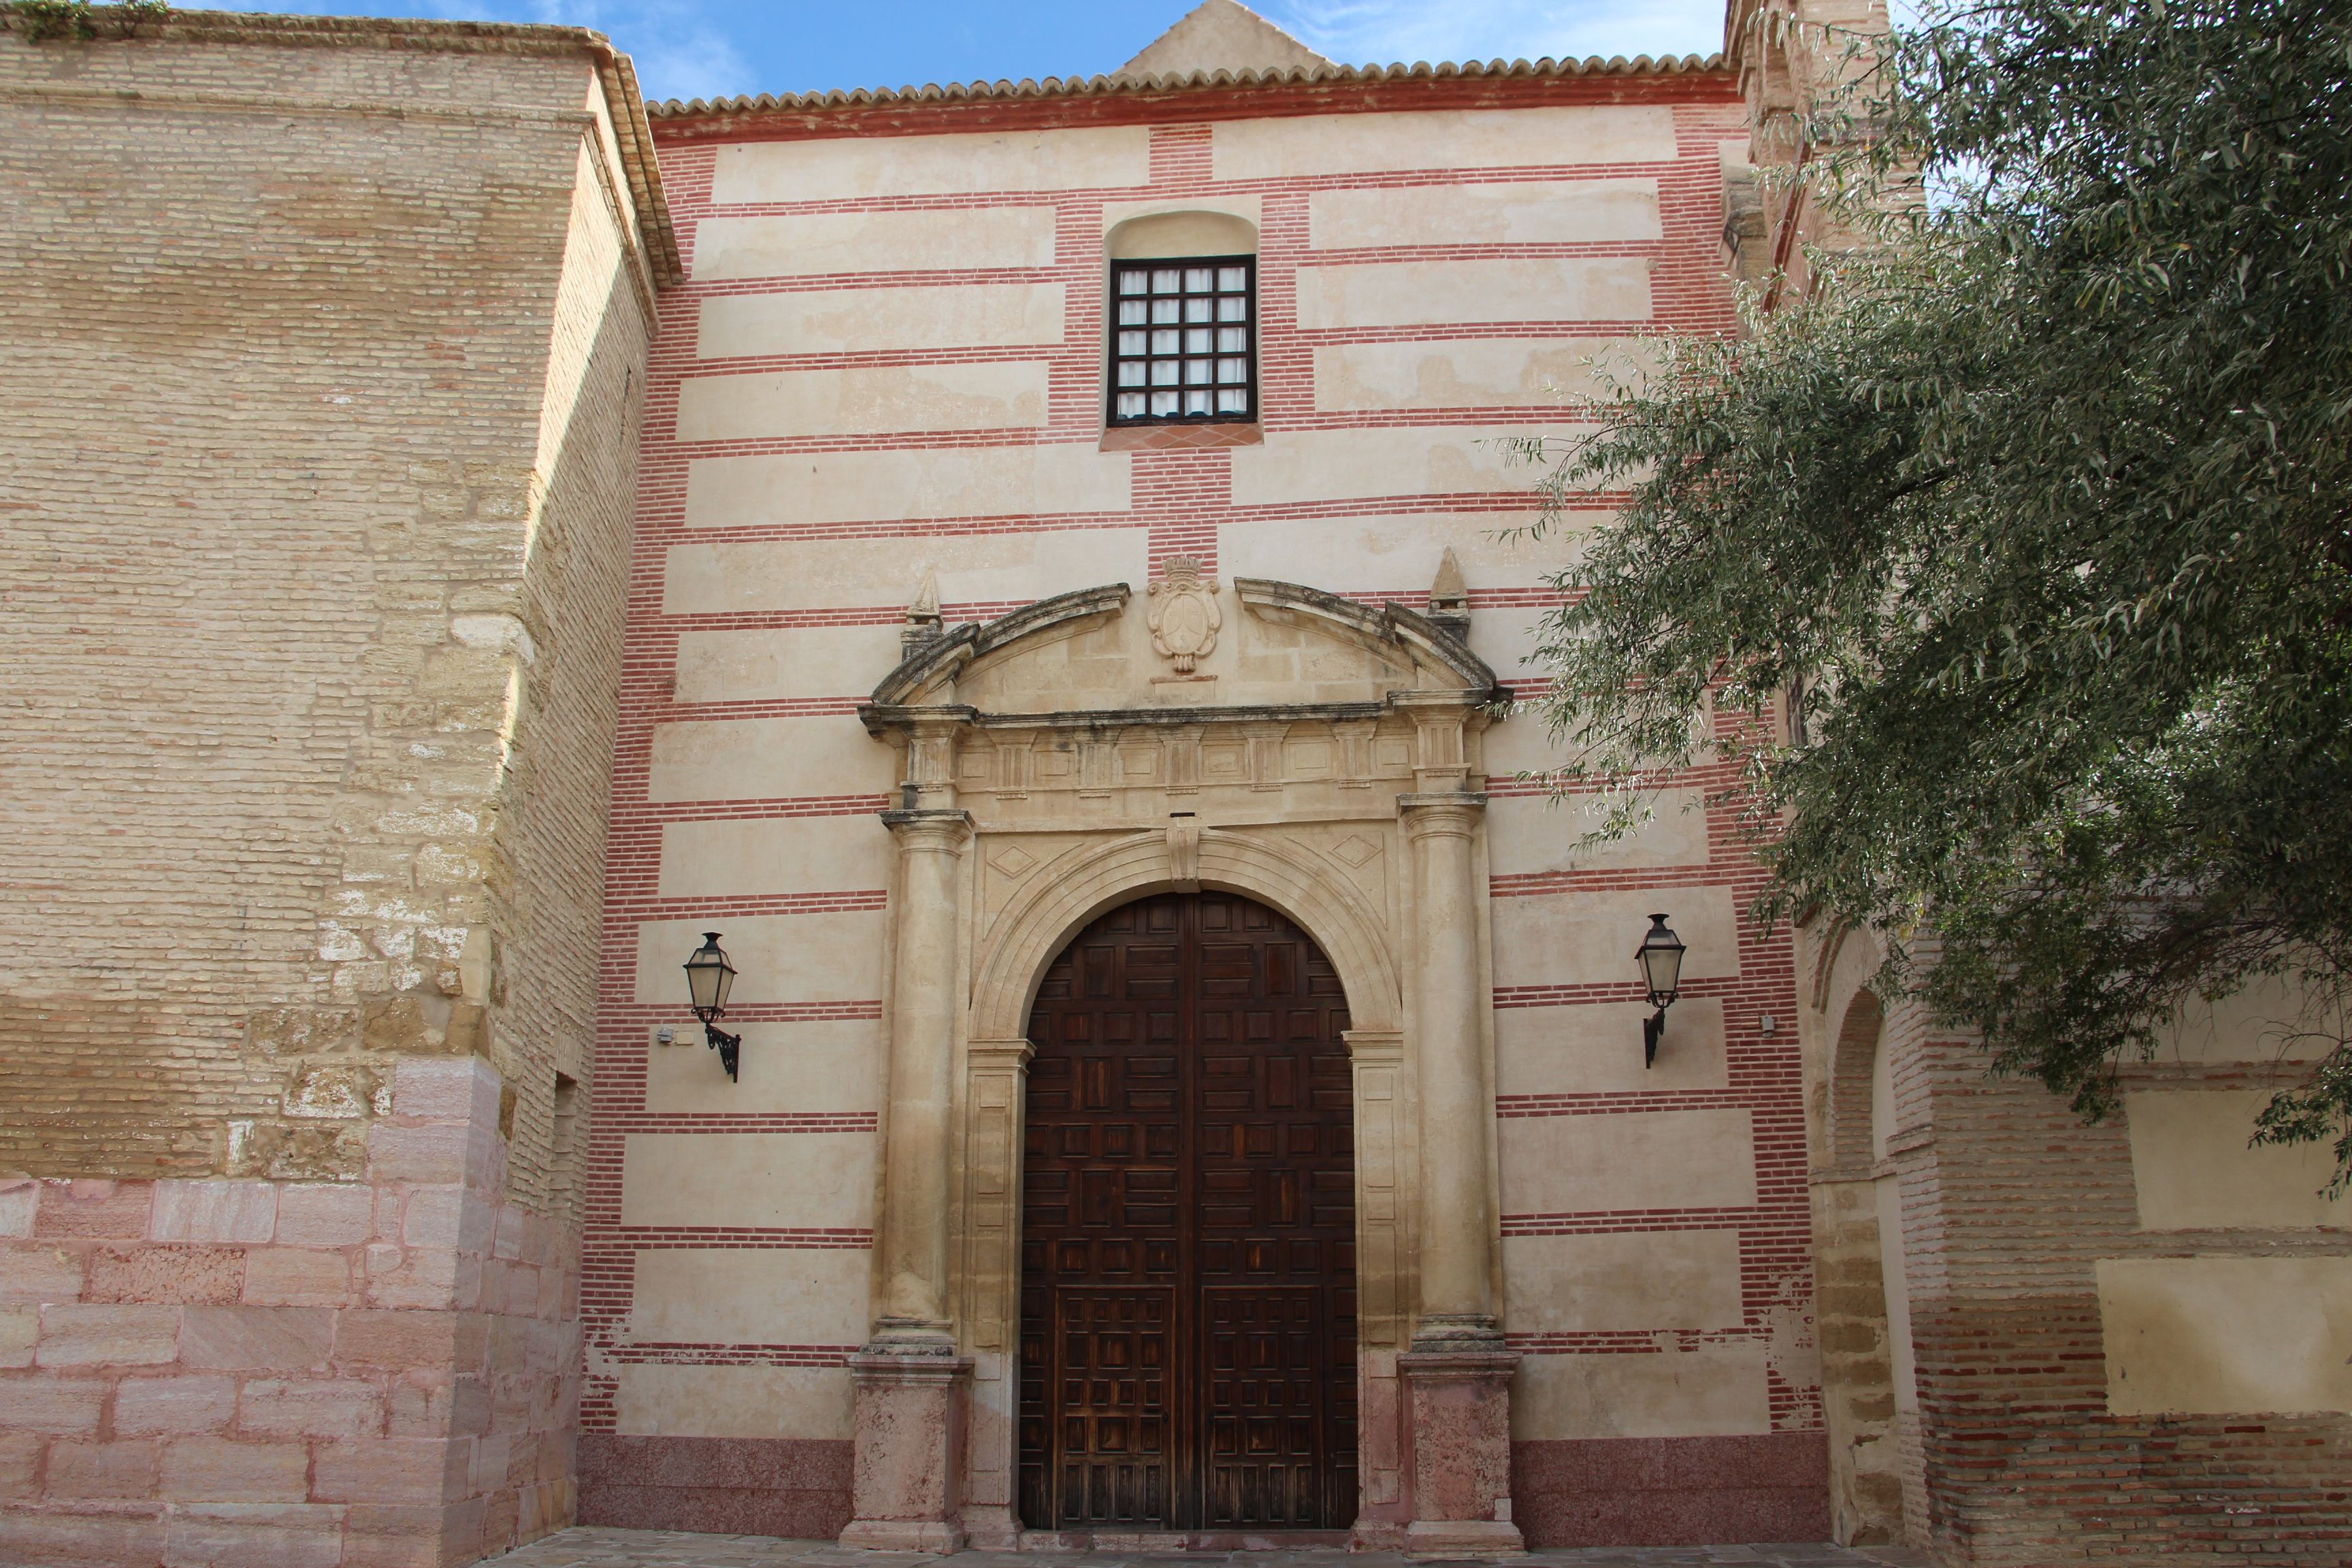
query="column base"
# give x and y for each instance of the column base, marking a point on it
(992, 1529)
(1460, 1404)
(1450, 1538)
(907, 1432)
(936, 1536)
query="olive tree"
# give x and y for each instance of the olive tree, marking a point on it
(2039, 497)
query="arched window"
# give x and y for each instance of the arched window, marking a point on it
(1183, 321)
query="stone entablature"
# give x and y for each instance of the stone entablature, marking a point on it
(1321, 696)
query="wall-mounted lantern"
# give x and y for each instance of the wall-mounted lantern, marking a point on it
(1660, 957)
(709, 978)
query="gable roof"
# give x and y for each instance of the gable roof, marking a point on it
(1219, 35)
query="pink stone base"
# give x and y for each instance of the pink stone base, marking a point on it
(907, 1429)
(991, 1528)
(1460, 1404)
(792, 1487)
(1452, 1538)
(1671, 1491)
(371, 1374)
(940, 1537)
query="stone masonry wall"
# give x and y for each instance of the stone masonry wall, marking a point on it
(323, 360)
(258, 1373)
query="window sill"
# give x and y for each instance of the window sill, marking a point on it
(1179, 437)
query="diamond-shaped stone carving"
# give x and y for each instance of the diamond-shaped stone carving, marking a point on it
(1355, 849)
(1013, 862)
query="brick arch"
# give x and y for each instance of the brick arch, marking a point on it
(1854, 1053)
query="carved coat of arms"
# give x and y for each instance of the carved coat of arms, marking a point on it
(1184, 617)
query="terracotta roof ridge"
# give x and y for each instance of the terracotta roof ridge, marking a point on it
(1124, 82)
(231, 26)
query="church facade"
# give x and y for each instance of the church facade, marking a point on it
(1035, 575)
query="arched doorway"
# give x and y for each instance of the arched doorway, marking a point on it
(1188, 1271)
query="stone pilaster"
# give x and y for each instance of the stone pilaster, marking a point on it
(910, 1385)
(1457, 1376)
(1458, 1236)
(913, 1234)
(988, 1307)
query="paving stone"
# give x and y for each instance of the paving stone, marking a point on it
(599, 1548)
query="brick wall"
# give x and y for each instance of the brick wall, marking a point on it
(2025, 1449)
(277, 373)
(824, 427)
(2010, 1204)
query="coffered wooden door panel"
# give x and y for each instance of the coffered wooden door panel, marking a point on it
(1188, 1284)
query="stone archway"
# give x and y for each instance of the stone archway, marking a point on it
(1058, 899)
(1877, 1493)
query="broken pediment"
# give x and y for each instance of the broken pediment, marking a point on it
(1194, 643)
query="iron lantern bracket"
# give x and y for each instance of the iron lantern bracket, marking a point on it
(1653, 1026)
(728, 1045)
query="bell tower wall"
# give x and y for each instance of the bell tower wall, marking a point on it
(325, 343)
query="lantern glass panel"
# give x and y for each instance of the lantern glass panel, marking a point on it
(708, 976)
(1662, 959)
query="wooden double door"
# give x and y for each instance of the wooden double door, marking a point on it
(1188, 1274)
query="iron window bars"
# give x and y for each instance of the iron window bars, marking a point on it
(1181, 344)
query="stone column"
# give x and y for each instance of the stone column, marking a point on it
(907, 1419)
(1457, 1304)
(1457, 1374)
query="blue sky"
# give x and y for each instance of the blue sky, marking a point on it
(705, 48)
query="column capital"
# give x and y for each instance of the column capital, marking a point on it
(930, 828)
(1000, 1054)
(1440, 810)
(1456, 1333)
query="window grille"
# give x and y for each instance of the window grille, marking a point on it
(1183, 345)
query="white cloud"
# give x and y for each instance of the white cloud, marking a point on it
(680, 49)
(701, 63)
(1365, 32)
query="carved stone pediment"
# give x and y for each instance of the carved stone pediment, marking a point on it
(1287, 645)
(1073, 707)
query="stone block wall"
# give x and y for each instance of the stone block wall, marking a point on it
(254, 1372)
(327, 339)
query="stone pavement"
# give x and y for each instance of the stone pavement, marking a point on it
(595, 1548)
